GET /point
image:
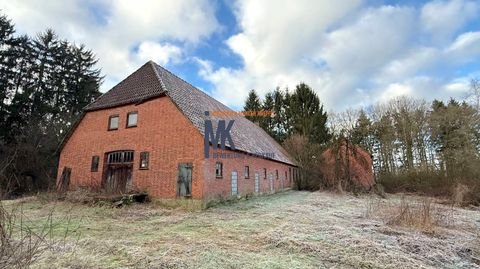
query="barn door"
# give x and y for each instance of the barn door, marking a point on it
(118, 171)
(256, 182)
(271, 183)
(234, 183)
(184, 180)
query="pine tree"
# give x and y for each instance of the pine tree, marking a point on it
(362, 132)
(252, 106)
(308, 116)
(44, 84)
(279, 119)
(266, 120)
(7, 65)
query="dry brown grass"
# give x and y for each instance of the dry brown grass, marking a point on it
(420, 213)
(23, 241)
(286, 230)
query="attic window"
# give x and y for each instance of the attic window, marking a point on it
(132, 119)
(113, 122)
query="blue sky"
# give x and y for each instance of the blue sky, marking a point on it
(353, 53)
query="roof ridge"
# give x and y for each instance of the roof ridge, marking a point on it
(153, 66)
(186, 82)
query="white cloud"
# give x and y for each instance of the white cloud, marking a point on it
(395, 90)
(350, 53)
(159, 53)
(442, 19)
(466, 46)
(113, 29)
(297, 44)
(379, 35)
(418, 58)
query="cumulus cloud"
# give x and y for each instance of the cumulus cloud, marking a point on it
(350, 53)
(159, 53)
(442, 19)
(466, 46)
(123, 34)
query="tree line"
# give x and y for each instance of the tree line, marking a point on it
(415, 145)
(45, 81)
(298, 120)
(418, 146)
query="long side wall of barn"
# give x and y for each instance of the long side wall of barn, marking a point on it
(221, 187)
(162, 130)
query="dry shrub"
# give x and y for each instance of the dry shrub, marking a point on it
(459, 195)
(21, 244)
(423, 214)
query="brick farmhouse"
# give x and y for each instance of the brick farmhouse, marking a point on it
(148, 134)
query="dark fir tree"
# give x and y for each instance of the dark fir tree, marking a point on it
(252, 105)
(308, 117)
(278, 117)
(44, 84)
(266, 120)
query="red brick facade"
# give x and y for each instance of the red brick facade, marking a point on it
(170, 138)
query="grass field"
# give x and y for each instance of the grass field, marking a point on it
(286, 230)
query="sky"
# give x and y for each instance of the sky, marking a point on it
(353, 53)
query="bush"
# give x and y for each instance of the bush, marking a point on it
(418, 181)
(461, 192)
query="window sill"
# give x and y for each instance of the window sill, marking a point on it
(133, 126)
(143, 168)
(112, 129)
(218, 177)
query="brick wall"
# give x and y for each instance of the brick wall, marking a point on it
(162, 130)
(170, 138)
(216, 187)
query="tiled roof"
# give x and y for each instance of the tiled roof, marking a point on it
(152, 80)
(139, 86)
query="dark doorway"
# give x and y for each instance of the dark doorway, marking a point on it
(118, 171)
(184, 180)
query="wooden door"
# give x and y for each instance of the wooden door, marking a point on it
(118, 177)
(118, 171)
(184, 180)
